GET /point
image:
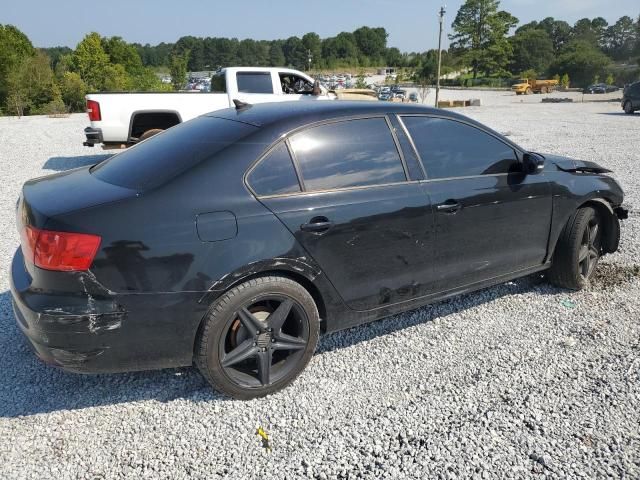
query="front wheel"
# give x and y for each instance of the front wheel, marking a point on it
(258, 337)
(578, 250)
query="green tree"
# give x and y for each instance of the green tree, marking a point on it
(116, 78)
(178, 69)
(31, 85)
(621, 38)
(532, 49)
(123, 53)
(73, 90)
(558, 30)
(90, 61)
(582, 61)
(276, 56)
(313, 44)
(15, 48)
(294, 53)
(371, 42)
(195, 47)
(480, 34)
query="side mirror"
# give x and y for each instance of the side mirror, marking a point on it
(533, 163)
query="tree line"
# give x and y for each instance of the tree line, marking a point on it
(486, 43)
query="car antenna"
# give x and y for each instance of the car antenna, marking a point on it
(240, 105)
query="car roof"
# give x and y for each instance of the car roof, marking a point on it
(304, 112)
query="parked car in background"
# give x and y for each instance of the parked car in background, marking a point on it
(413, 97)
(239, 237)
(631, 98)
(600, 88)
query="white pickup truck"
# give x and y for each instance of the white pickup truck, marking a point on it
(122, 119)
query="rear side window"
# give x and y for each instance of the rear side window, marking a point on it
(219, 83)
(254, 82)
(454, 149)
(275, 174)
(166, 155)
(348, 154)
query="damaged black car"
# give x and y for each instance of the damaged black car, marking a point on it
(233, 241)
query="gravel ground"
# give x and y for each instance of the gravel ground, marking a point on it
(518, 381)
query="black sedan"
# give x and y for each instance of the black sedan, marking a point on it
(236, 239)
(600, 88)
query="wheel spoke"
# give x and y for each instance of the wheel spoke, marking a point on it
(593, 233)
(277, 318)
(584, 253)
(249, 320)
(264, 366)
(287, 342)
(243, 351)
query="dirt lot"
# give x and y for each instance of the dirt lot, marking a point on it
(518, 381)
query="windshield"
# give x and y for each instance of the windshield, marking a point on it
(166, 155)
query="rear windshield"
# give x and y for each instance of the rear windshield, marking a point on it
(166, 155)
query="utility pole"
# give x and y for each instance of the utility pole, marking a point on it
(309, 57)
(442, 12)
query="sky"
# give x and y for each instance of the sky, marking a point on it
(412, 24)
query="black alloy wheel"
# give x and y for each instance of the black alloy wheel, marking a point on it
(578, 250)
(590, 249)
(258, 337)
(264, 341)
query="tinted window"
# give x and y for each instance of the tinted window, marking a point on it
(254, 82)
(275, 173)
(453, 149)
(348, 154)
(219, 83)
(162, 157)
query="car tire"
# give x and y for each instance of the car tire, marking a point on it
(578, 250)
(150, 133)
(226, 329)
(528, 92)
(628, 108)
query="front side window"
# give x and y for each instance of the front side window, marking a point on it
(254, 82)
(348, 154)
(453, 149)
(275, 175)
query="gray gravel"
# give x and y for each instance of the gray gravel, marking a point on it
(518, 381)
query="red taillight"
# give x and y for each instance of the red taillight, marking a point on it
(62, 251)
(93, 109)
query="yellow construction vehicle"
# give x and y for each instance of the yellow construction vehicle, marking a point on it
(527, 86)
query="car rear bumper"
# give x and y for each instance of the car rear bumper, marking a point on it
(71, 332)
(85, 333)
(94, 136)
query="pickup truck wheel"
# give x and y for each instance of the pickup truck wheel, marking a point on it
(150, 133)
(258, 337)
(529, 91)
(578, 250)
(628, 108)
(544, 90)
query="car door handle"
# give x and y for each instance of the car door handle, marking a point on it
(317, 224)
(450, 206)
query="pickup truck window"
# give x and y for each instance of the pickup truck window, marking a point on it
(218, 83)
(254, 82)
(164, 156)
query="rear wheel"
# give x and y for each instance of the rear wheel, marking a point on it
(628, 108)
(150, 133)
(258, 337)
(578, 250)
